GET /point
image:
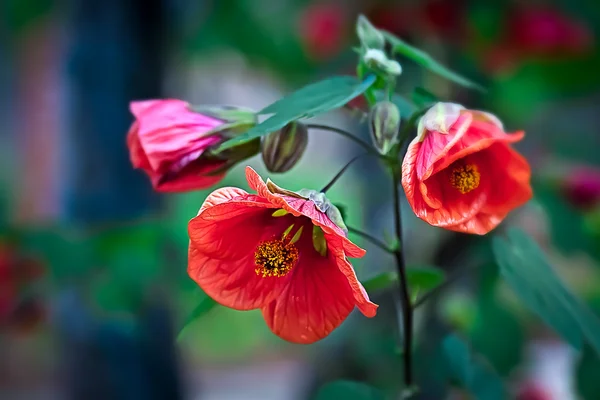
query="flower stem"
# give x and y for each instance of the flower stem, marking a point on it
(340, 173)
(407, 309)
(371, 239)
(348, 135)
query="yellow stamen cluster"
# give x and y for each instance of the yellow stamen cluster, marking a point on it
(465, 178)
(275, 258)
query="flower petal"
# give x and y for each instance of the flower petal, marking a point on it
(223, 239)
(511, 186)
(434, 146)
(364, 304)
(300, 206)
(435, 200)
(233, 282)
(196, 176)
(221, 195)
(316, 300)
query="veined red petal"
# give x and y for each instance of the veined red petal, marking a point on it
(317, 300)
(223, 239)
(435, 145)
(194, 177)
(301, 206)
(364, 304)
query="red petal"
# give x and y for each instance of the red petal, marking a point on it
(300, 206)
(223, 238)
(435, 200)
(315, 302)
(364, 304)
(512, 175)
(221, 195)
(435, 145)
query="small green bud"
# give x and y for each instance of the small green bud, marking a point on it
(281, 150)
(369, 36)
(384, 125)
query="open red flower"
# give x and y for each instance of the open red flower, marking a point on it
(169, 142)
(278, 251)
(460, 172)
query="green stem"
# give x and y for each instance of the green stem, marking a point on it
(407, 309)
(371, 239)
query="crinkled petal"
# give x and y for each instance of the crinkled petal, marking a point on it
(221, 195)
(435, 200)
(435, 145)
(300, 206)
(316, 300)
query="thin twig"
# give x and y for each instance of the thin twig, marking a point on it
(340, 173)
(372, 239)
(348, 135)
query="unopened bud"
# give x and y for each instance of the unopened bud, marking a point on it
(369, 36)
(281, 150)
(384, 125)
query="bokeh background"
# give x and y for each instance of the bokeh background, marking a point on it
(93, 285)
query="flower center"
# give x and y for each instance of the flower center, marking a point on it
(275, 258)
(465, 178)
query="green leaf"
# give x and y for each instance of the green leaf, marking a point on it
(205, 304)
(311, 100)
(426, 61)
(423, 278)
(381, 281)
(348, 390)
(473, 373)
(528, 272)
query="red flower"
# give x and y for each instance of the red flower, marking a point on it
(278, 251)
(582, 187)
(461, 173)
(169, 142)
(322, 30)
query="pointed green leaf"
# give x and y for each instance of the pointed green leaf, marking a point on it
(348, 390)
(426, 61)
(532, 278)
(311, 100)
(381, 281)
(204, 305)
(472, 373)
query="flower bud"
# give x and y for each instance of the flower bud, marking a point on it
(369, 36)
(384, 125)
(281, 150)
